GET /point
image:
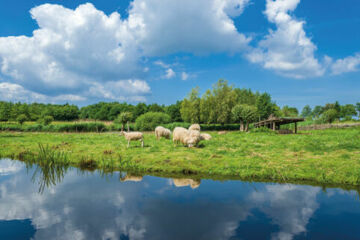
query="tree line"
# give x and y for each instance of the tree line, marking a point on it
(223, 104)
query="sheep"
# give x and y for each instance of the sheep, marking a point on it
(192, 139)
(179, 133)
(195, 127)
(189, 138)
(134, 136)
(162, 132)
(222, 132)
(182, 182)
(205, 136)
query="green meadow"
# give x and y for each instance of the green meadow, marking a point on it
(329, 156)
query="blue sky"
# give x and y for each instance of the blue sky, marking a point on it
(300, 51)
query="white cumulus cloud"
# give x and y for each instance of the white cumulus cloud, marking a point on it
(71, 51)
(287, 49)
(348, 64)
(199, 27)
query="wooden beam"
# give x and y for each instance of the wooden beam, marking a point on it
(295, 127)
(274, 126)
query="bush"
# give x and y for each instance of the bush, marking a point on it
(329, 116)
(46, 120)
(21, 118)
(149, 121)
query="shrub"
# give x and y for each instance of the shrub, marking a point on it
(149, 120)
(21, 118)
(46, 120)
(329, 116)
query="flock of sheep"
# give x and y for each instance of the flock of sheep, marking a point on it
(188, 137)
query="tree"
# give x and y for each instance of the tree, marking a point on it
(155, 108)
(330, 115)
(318, 110)
(123, 118)
(306, 111)
(5, 111)
(173, 111)
(348, 111)
(207, 112)
(290, 111)
(140, 109)
(358, 108)
(21, 118)
(224, 100)
(264, 106)
(190, 107)
(245, 114)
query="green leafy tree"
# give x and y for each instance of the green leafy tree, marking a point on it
(5, 111)
(244, 114)
(306, 111)
(358, 108)
(318, 110)
(329, 115)
(264, 105)
(190, 107)
(348, 111)
(123, 119)
(173, 111)
(290, 111)
(207, 111)
(225, 100)
(21, 118)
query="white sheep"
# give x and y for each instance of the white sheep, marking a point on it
(162, 132)
(195, 127)
(189, 138)
(205, 136)
(179, 133)
(134, 136)
(193, 138)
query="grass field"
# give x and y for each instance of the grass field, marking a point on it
(324, 156)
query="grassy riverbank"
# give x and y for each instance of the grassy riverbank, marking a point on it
(323, 156)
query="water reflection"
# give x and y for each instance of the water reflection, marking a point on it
(83, 205)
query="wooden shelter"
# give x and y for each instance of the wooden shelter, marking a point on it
(274, 123)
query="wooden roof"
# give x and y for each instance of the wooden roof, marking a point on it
(279, 121)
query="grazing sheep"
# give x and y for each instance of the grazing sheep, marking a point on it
(222, 132)
(189, 138)
(182, 182)
(134, 136)
(131, 178)
(162, 132)
(195, 127)
(192, 139)
(179, 133)
(205, 136)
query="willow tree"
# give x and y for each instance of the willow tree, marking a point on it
(244, 114)
(124, 118)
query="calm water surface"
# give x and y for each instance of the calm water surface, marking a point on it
(37, 204)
